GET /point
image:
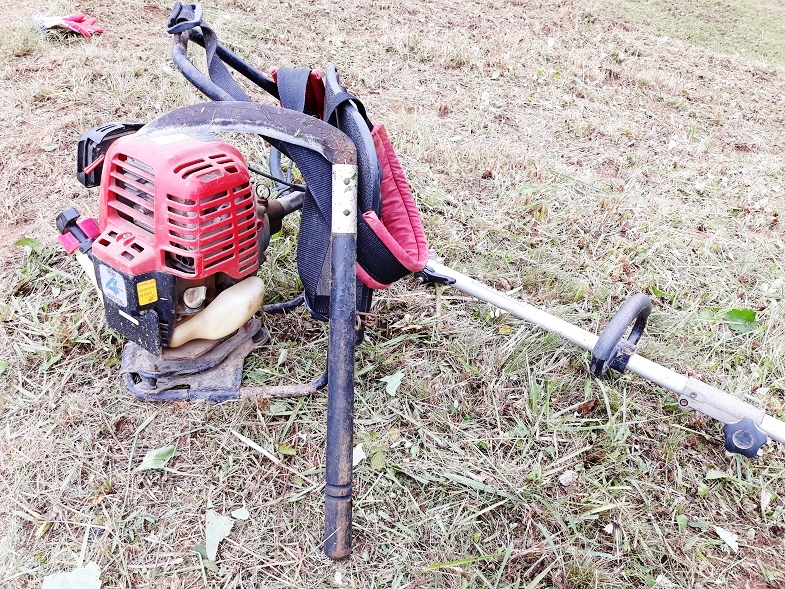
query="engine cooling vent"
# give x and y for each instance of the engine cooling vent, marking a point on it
(213, 231)
(131, 192)
(178, 205)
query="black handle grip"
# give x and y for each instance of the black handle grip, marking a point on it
(612, 349)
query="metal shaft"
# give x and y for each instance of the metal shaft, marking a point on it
(665, 377)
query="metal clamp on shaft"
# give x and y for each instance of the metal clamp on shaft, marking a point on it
(612, 350)
(742, 419)
(430, 276)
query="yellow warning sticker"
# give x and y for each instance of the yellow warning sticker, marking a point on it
(147, 292)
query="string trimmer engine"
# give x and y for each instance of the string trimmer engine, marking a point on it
(174, 254)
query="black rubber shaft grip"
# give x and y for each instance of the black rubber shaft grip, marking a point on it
(612, 349)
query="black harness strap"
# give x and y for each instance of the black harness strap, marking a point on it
(189, 16)
(333, 101)
(216, 68)
(292, 85)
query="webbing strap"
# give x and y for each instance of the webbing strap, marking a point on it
(316, 212)
(292, 84)
(335, 100)
(216, 68)
(188, 16)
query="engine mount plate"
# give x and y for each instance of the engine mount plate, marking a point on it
(194, 371)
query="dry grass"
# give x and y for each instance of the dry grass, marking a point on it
(556, 153)
(752, 29)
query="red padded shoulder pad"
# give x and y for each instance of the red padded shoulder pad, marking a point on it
(400, 228)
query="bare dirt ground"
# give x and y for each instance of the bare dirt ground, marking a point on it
(556, 153)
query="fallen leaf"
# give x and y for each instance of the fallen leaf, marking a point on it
(201, 550)
(586, 407)
(393, 382)
(728, 537)
(358, 455)
(241, 513)
(681, 521)
(663, 582)
(156, 459)
(612, 529)
(282, 357)
(378, 461)
(765, 499)
(286, 450)
(715, 474)
(699, 524)
(742, 320)
(280, 407)
(43, 530)
(568, 478)
(32, 243)
(217, 528)
(88, 577)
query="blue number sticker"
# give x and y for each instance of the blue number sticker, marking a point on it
(113, 285)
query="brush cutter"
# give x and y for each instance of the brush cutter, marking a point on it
(180, 236)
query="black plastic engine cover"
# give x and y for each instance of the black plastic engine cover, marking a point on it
(92, 147)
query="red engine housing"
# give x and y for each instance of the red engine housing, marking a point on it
(177, 204)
